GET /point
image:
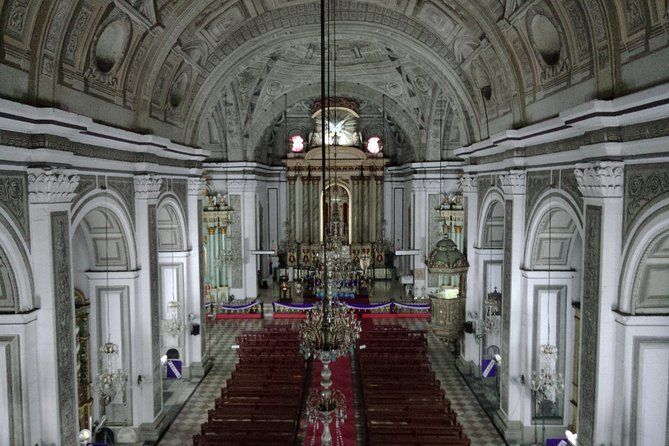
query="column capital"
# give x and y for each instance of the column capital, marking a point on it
(197, 186)
(601, 179)
(468, 184)
(47, 186)
(513, 182)
(147, 187)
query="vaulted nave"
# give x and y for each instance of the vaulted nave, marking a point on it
(337, 222)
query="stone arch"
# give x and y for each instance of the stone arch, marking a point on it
(494, 197)
(171, 223)
(646, 263)
(566, 233)
(16, 281)
(108, 209)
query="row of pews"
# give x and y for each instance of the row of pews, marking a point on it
(404, 402)
(262, 400)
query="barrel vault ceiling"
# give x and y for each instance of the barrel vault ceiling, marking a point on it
(217, 73)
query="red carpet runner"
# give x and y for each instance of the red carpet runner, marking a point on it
(342, 380)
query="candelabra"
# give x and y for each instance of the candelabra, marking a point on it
(547, 380)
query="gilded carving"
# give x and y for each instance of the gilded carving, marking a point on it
(589, 325)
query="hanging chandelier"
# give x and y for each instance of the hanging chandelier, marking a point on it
(547, 381)
(491, 317)
(330, 329)
(110, 382)
(173, 326)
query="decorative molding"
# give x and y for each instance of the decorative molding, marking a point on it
(197, 186)
(468, 184)
(125, 187)
(537, 183)
(484, 182)
(14, 198)
(237, 270)
(147, 187)
(9, 300)
(603, 179)
(62, 144)
(51, 187)
(9, 348)
(644, 184)
(589, 325)
(569, 184)
(513, 182)
(506, 306)
(64, 326)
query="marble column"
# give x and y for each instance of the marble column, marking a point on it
(601, 184)
(198, 355)
(354, 209)
(50, 195)
(475, 296)
(315, 210)
(513, 185)
(306, 211)
(292, 227)
(146, 331)
(379, 209)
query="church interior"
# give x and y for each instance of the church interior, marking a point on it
(334, 222)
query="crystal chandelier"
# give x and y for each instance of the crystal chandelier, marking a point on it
(491, 317)
(110, 382)
(330, 329)
(547, 381)
(172, 326)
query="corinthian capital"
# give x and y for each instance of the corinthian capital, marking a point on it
(600, 179)
(513, 182)
(197, 186)
(468, 184)
(51, 187)
(147, 187)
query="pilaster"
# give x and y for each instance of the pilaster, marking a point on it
(146, 332)
(601, 184)
(513, 185)
(50, 196)
(197, 347)
(469, 188)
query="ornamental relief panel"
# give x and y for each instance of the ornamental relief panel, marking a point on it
(14, 199)
(9, 293)
(537, 183)
(644, 184)
(484, 183)
(64, 327)
(155, 312)
(126, 188)
(589, 325)
(506, 306)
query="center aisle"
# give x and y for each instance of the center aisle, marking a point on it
(341, 380)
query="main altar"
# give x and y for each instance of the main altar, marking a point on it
(352, 208)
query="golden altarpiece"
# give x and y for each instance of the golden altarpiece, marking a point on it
(353, 208)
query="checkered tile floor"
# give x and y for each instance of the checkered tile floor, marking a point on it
(476, 424)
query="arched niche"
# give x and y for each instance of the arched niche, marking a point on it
(16, 284)
(171, 226)
(491, 210)
(645, 272)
